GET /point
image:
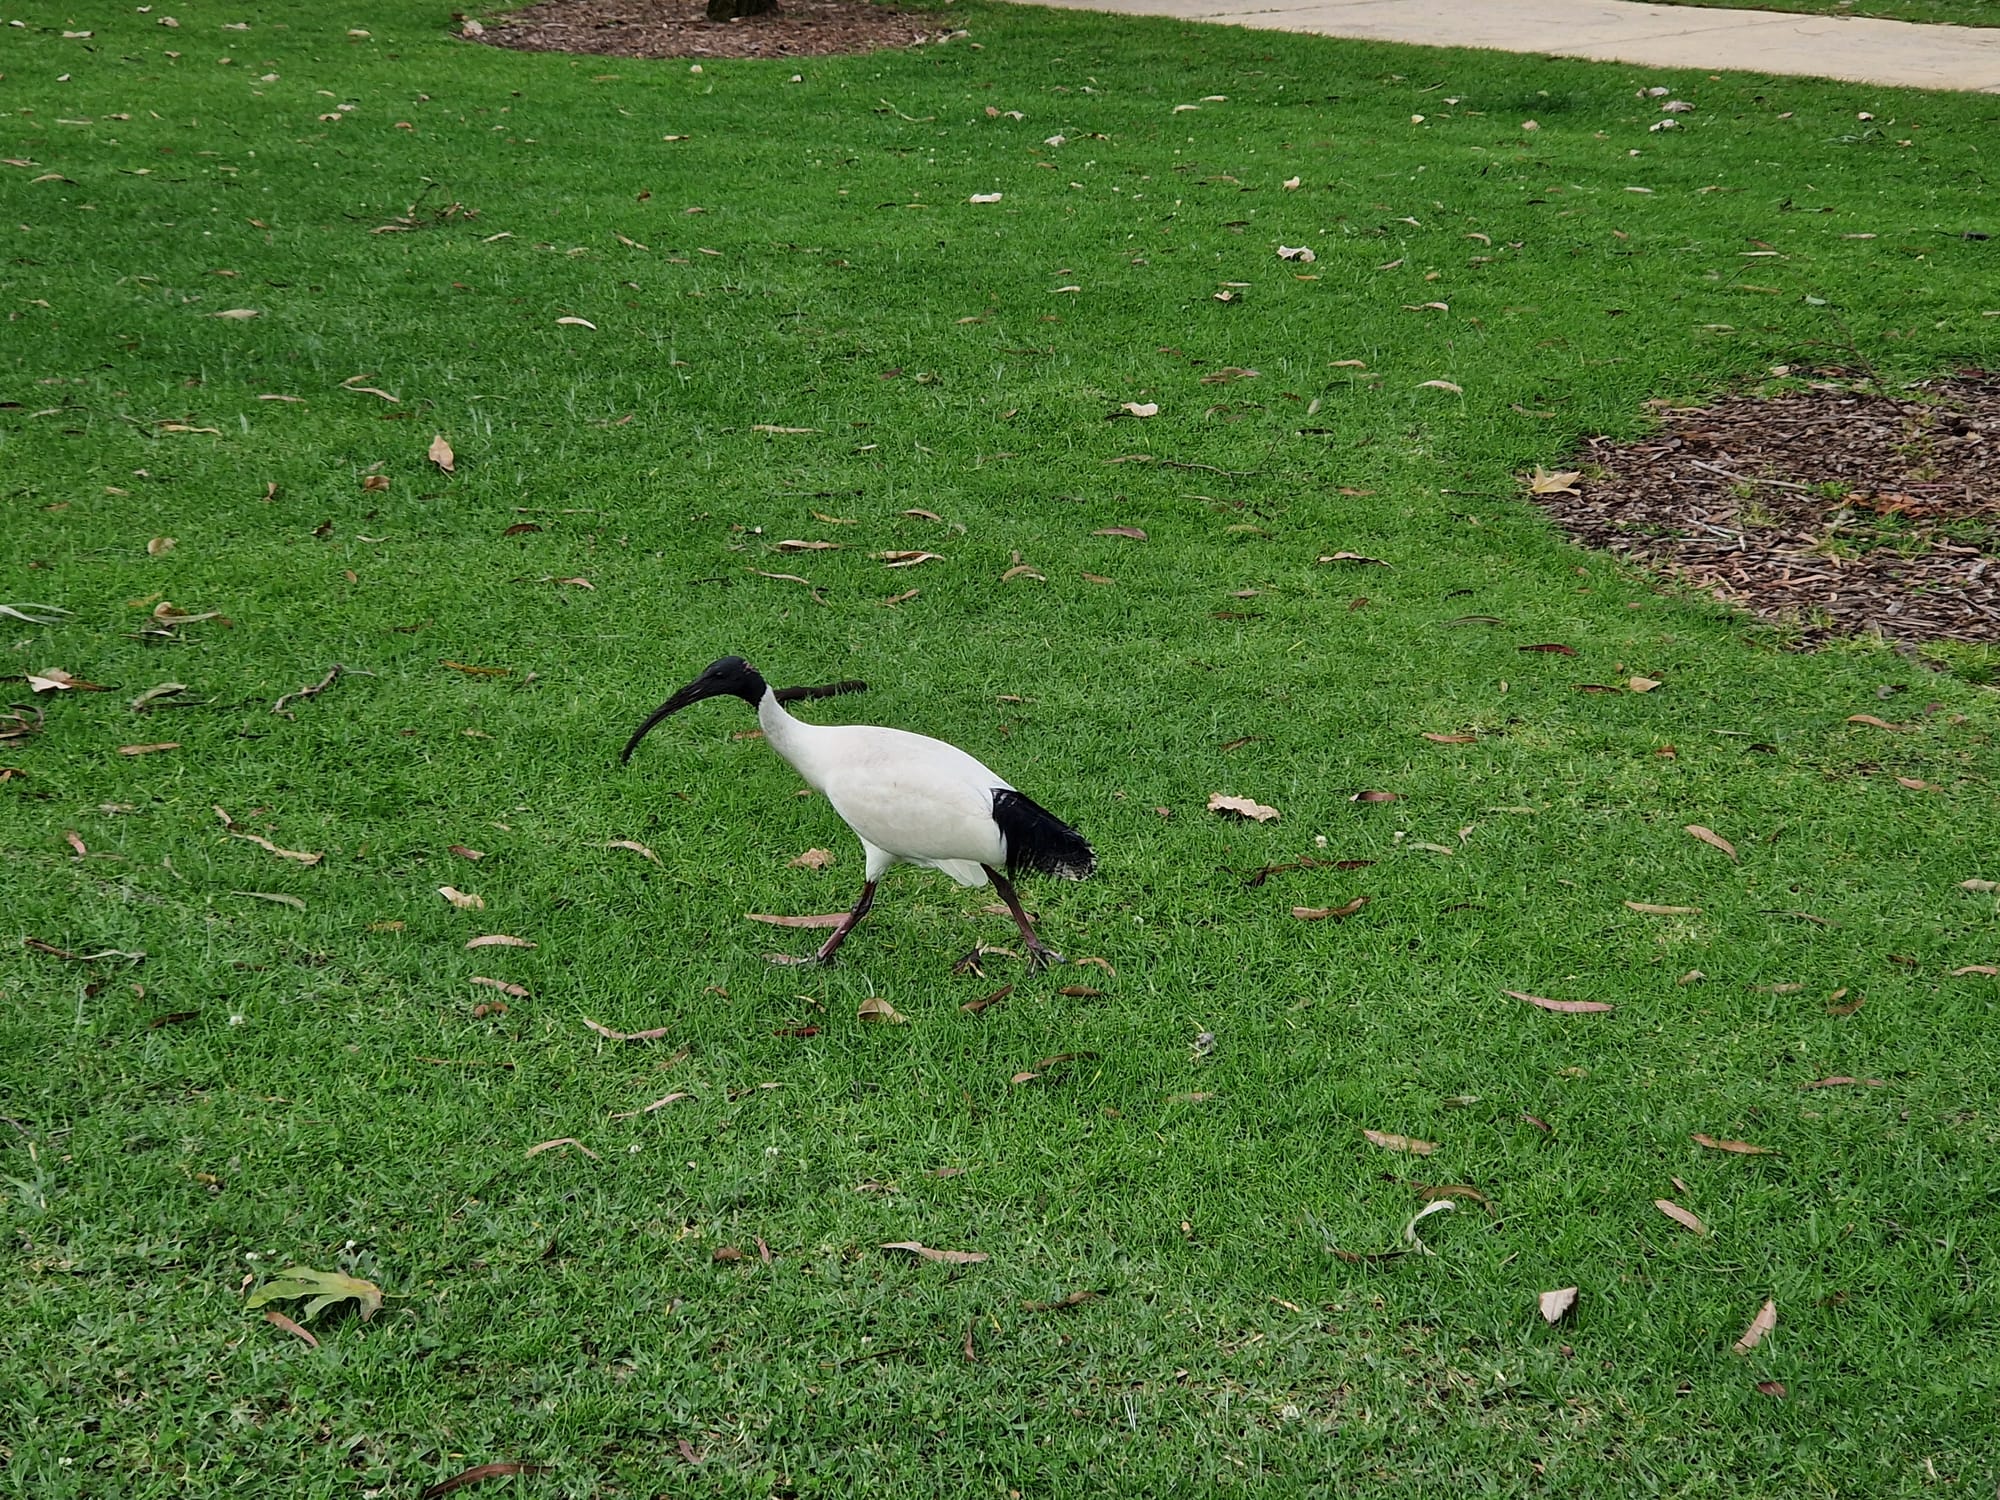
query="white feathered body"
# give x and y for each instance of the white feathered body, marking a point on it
(910, 799)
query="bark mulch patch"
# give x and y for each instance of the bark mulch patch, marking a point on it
(681, 28)
(1833, 510)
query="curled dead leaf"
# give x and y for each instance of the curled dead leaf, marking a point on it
(1556, 1305)
(568, 1140)
(1451, 739)
(1841, 1081)
(148, 749)
(881, 1012)
(1561, 1007)
(1554, 647)
(463, 900)
(1441, 385)
(942, 1257)
(440, 454)
(576, 323)
(1375, 797)
(1558, 482)
(1681, 1216)
(636, 848)
(1711, 837)
(1739, 1148)
(261, 843)
(1762, 1324)
(1317, 913)
(817, 919)
(1241, 807)
(652, 1035)
(1649, 909)
(498, 940)
(1989, 970)
(905, 559)
(1407, 1143)
(1130, 533)
(812, 859)
(1353, 557)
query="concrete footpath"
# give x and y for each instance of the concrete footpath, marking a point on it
(1661, 36)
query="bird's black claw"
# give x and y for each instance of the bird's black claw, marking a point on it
(1040, 957)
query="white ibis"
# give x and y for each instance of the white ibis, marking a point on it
(910, 799)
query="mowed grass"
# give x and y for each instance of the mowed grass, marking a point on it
(280, 1083)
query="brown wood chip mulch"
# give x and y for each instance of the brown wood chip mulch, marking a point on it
(1832, 510)
(681, 28)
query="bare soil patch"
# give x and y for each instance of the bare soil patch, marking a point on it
(681, 28)
(1837, 509)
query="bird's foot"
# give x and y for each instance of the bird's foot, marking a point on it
(1041, 956)
(796, 958)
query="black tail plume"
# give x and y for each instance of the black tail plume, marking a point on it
(1036, 839)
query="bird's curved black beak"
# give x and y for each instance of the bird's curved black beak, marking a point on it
(694, 692)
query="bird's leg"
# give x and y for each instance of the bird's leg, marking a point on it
(839, 934)
(1040, 955)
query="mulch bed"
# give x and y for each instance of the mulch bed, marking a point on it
(681, 28)
(1832, 510)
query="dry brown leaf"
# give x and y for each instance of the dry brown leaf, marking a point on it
(498, 940)
(1442, 385)
(1681, 1216)
(463, 900)
(1130, 533)
(55, 679)
(631, 1036)
(1096, 578)
(1557, 482)
(1834, 1007)
(974, 1007)
(1317, 913)
(576, 323)
(304, 859)
(1841, 1081)
(1140, 409)
(880, 1011)
(812, 859)
(1772, 1388)
(1228, 373)
(1875, 723)
(925, 515)
(635, 847)
(647, 1109)
(943, 1257)
(1763, 1323)
(905, 559)
(1979, 886)
(1374, 796)
(1642, 684)
(1917, 784)
(794, 545)
(1074, 1299)
(796, 431)
(1551, 646)
(1080, 992)
(1241, 807)
(464, 853)
(1451, 739)
(568, 1140)
(472, 671)
(159, 546)
(512, 991)
(1711, 837)
(1353, 557)
(1989, 970)
(1556, 1305)
(1022, 570)
(75, 841)
(148, 749)
(279, 1320)
(1662, 911)
(440, 454)
(819, 919)
(376, 483)
(1561, 1007)
(1400, 1143)
(1739, 1148)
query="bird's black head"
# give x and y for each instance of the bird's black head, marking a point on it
(731, 677)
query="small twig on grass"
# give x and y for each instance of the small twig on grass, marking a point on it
(317, 688)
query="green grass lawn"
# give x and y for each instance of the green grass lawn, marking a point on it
(1924, 12)
(296, 1071)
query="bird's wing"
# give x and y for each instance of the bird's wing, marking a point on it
(918, 798)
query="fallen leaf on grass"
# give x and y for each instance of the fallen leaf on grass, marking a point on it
(440, 454)
(812, 859)
(262, 843)
(480, 1473)
(278, 1319)
(148, 749)
(152, 695)
(1642, 684)
(1711, 837)
(1139, 409)
(1835, 1007)
(36, 945)
(1772, 1388)
(514, 991)
(1841, 1081)
(1374, 796)
(625, 1036)
(1875, 723)
(819, 919)
(629, 1114)
(880, 1011)
(1551, 646)
(1241, 807)
(1681, 1216)
(1556, 1305)
(55, 679)
(1917, 784)
(1441, 385)
(576, 323)
(1649, 909)
(943, 1257)
(1080, 992)
(1400, 1142)
(1130, 533)
(1319, 913)
(1451, 739)
(567, 1140)
(974, 1007)
(1561, 1007)
(1763, 1323)
(463, 900)
(75, 841)
(1353, 557)
(1979, 886)
(464, 853)
(1740, 1148)
(1074, 1299)
(498, 940)
(1556, 482)
(1989, 970)
(292, 901)
(795, 545)
(472, 671)
(324, 1288)
(635, 847)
